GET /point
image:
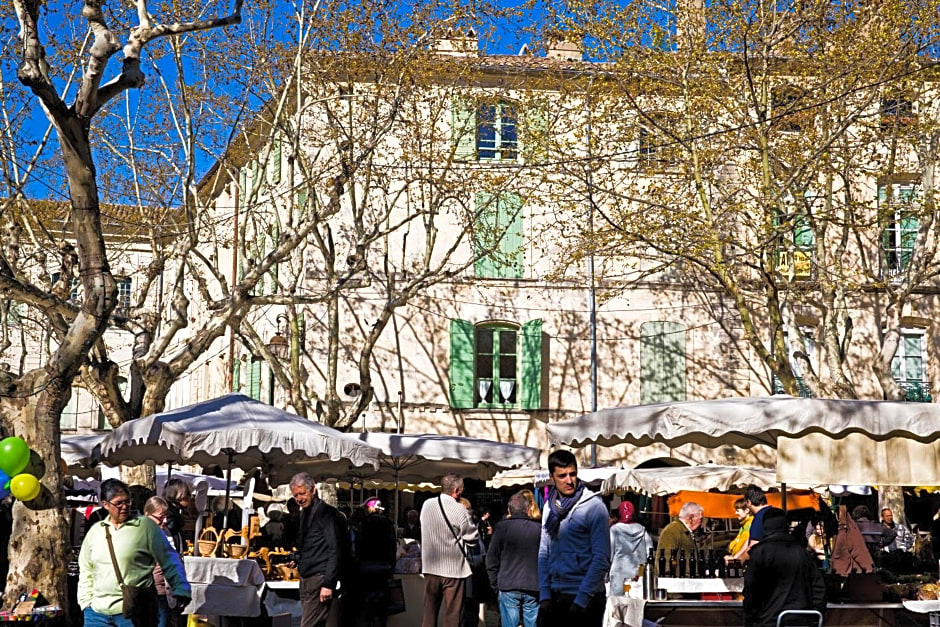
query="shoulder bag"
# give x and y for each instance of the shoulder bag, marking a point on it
(139, 604)
(476, 586)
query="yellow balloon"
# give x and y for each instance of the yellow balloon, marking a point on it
(25, 487)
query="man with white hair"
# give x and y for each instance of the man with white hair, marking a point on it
(319, 543)
(678, 534)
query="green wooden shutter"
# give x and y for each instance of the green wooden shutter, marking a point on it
(486, 228)
(237, 375)
(802, 233)
(243, 182)
(302, 203)
(651, 337)
(662, 362)
(510, 229)
(255, 384)
(461, 364)
(535, 134)
(909, 225)
(673, 362)
(530, 379)
(463, 126)
(275, 242)
(276, 162)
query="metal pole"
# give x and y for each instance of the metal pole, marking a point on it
(593, 292)
(228, 488)
(783, 497)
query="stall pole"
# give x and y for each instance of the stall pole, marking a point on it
(228, 487)
(397, 498)
(783, 497)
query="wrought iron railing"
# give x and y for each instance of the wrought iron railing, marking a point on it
(916, 391)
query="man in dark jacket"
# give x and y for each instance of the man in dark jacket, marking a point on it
(780, 575)
(320, 551)
(512, 564)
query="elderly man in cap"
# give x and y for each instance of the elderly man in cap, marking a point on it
(780, 575)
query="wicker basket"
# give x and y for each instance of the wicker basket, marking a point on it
(208, 542)
(236, 551)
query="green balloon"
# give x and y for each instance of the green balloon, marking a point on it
(14, 455)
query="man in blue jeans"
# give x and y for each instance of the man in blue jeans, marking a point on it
(512, 564)
(574, 551)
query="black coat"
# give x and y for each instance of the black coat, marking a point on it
(512, 562)
(321, 544)
(780, 576)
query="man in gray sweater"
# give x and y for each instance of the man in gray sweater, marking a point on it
(446, 528)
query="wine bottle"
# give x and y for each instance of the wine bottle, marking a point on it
(693, 564)
(702, 564)
(674, 563)
(683, 565)
(662, 563)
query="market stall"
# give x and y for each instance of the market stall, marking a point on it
(819, 441)
(235, 431)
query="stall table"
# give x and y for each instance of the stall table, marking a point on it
(224, 587)
(625, 612)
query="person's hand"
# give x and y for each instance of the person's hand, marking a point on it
(325, 594)
(576, 610)
(545, 610)
(181, 604)
(729, 559)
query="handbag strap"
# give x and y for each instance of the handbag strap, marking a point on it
(117, 571)
(440, 502)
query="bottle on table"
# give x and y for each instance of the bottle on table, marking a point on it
(683, 565)
(663, 572)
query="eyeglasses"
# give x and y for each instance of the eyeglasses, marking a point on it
(158, 517)
(119, 504)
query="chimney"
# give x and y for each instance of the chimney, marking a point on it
(562, 46)
(454, 43)
(691, 28)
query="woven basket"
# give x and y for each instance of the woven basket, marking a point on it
(208, 542)
(236, 551)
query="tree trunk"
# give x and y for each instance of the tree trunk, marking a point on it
(39, 548)
(157, 387)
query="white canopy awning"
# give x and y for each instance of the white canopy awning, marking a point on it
(857, 459)
(745, 422)
(421, 458)
(236, 428)
(701, 478)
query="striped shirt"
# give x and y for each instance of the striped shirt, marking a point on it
(440, 554)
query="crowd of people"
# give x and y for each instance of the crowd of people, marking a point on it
(541, 566)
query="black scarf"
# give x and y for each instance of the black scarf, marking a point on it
(560, 507)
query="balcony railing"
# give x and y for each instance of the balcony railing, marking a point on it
(777, 387)
(917, 391)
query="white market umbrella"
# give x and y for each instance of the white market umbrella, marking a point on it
(418, 458)
(236, 431)
(701, 478)
(78, 452)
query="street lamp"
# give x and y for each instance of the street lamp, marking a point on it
(279, 344)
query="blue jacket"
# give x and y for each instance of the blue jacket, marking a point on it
(577, 561)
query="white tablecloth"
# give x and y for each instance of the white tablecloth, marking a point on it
(224, 587)
(624, 612)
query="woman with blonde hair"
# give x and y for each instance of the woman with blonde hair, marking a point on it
(533, 510)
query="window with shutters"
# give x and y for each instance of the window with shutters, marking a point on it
(793, 257)
(497, 131)
(908, 365)
(898, 206)
(497, 236)
(496, 364)
(662, 362)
